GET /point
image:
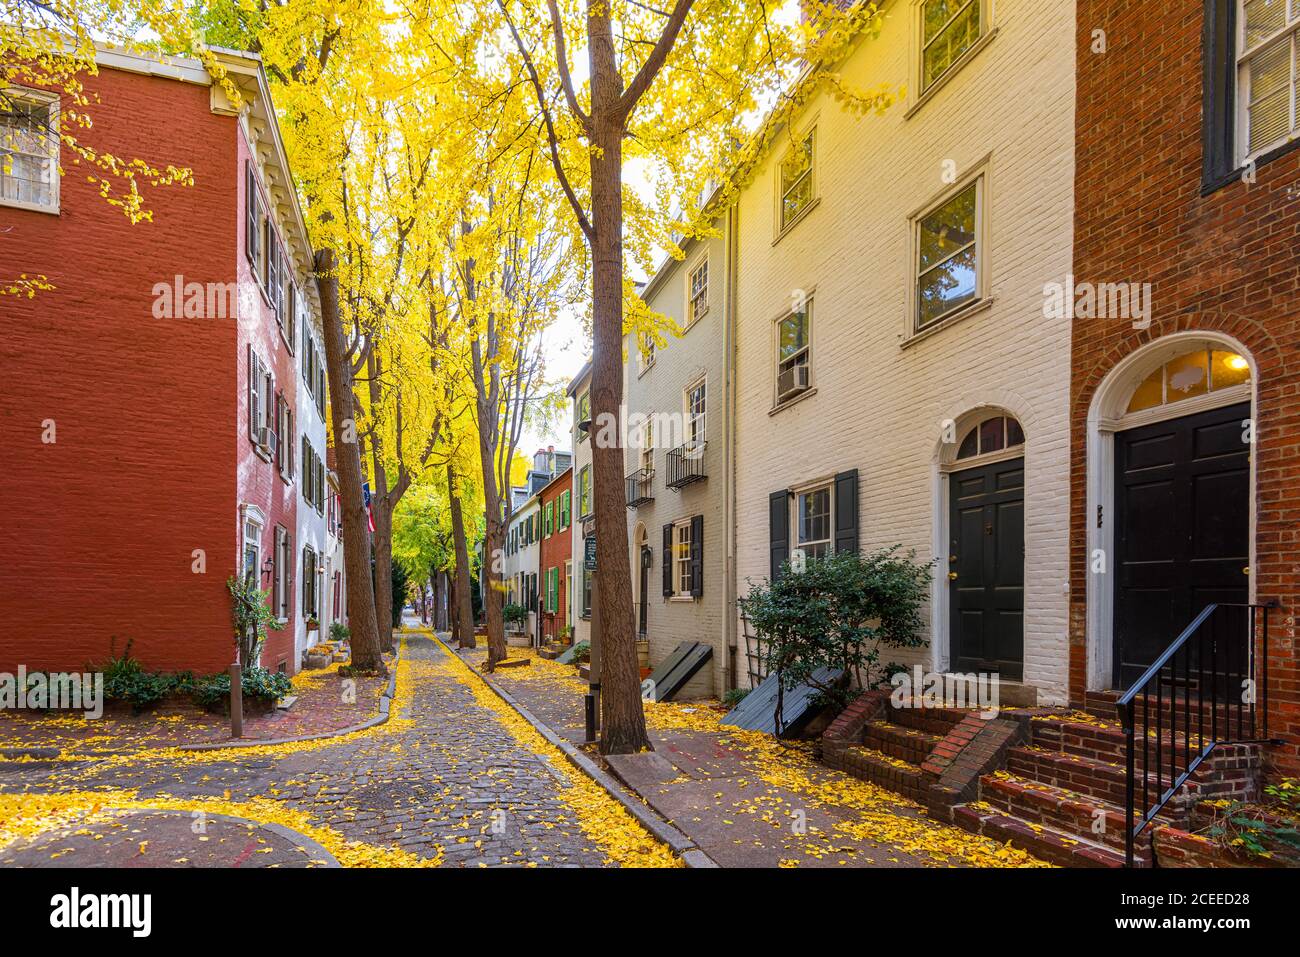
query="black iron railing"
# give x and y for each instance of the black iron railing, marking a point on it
(640, 487)
(1203, 691)
(686, 465)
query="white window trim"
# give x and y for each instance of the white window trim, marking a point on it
(701, 260)
(689, 417)
(51, 99)
(251, 515)
(923, 93)
(816, 486)
(979, 175)
(1288, 35)
(681, 562)
(777, 401)
(782, 225)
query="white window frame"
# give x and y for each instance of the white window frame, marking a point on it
(681, 558)
(253, 525)
(784, 223)
(1289, 36)
(701, 295)
(645, 351)
(925, 89)
(797, 541)
(979, 179)
(696, 437)
(807, 350)
(648, 443)
(51, 100)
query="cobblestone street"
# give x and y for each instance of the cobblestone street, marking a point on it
(447, 780)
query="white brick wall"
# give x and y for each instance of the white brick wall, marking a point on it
(879, 407)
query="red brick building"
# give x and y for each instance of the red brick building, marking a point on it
(1187, 179)
(150, 397)
(555, 508)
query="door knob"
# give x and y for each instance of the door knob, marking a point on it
(952, 576)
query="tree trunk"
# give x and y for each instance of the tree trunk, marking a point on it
(622, 715)
(383, 538)
(356, 535)
(461, 606)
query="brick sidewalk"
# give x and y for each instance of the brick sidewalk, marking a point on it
(748, 801)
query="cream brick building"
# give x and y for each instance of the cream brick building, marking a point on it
(900, 274)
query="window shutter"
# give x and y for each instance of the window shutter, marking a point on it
(846, 511)
(254, 378)
(289, 444)
(250, 212)
(668, 561)
(778, 520)
(1218, 107)
(697, 556)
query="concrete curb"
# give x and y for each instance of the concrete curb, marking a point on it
(653, 822)
(385, 706)
(296, 838)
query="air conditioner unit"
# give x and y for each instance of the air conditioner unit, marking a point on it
(791, 382)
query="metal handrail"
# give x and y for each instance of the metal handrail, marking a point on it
(1191, 756)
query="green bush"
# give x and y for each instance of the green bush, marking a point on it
(581, 650)
(735, 696)
(256, 682)
(837, 612)
(512, 613)
(125, 679)
(340, 632)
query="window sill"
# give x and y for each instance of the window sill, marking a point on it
(950, 320)
(645, 368)
(798, 218)
(262, 453)
(682, 598)
(782, 406)
(951, 72)
(30, 207)
(1213, 185)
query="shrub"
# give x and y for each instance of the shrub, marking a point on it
(836, 613)
(125, 679)
(255, 682)
(340, 632)
(581, 650)
(251, 616)
(513, 613)
(734, 696)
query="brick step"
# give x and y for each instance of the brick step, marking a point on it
(1105, 742)
(1054, 807)
(878, 768)
(1102, 705)
(936, 721)
(1048, 844)
(1103, 780)
(897, 741)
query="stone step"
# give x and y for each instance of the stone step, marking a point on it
(1104, 780)
(897, 741)
(1062, 810)
(878, 768)
(1046, 843)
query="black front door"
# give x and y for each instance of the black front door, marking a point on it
(644, 609)
(986, 568)
(1182, 529)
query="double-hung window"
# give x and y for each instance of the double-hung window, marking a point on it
(695, 415)
(683, 570)
(252, 551)
(310, 599)
(699, 288)
(948, 255)
(948, 29)
(1268, 64)
(796, 179)
(648, 444)
(584, 492)
(793, 353)
(813, 522)
(584, 414)
(29, 150)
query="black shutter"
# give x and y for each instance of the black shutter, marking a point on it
(697, 556)
(846, 511)
(668, 561)
(250, 212)
(1218, 93)
(254, 378)
(778, 522)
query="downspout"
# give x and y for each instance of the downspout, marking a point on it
(729, 485)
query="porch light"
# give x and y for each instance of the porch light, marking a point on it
(1237, 363)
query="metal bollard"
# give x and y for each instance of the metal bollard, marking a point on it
(236, 701)
(589, 709)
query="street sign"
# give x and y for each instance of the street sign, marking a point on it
(589, 557)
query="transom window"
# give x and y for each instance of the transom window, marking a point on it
(1193, 374)
(813, 522)
(699, 290)
(683, 576)
(695, 411)
(992, 435)
(29, 150)
(1268, 64)
(948, 29)
(797, 179)
(793, 352)
(947, 269)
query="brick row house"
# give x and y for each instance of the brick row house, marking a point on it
(177, 368)
(1040, 333)
(524, 571)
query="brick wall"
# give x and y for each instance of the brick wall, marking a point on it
(98, 536)
(1225, 262)
(555, 550)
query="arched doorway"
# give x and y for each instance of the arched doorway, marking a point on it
(642, 556)
(1169, 512)
(985, 564)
